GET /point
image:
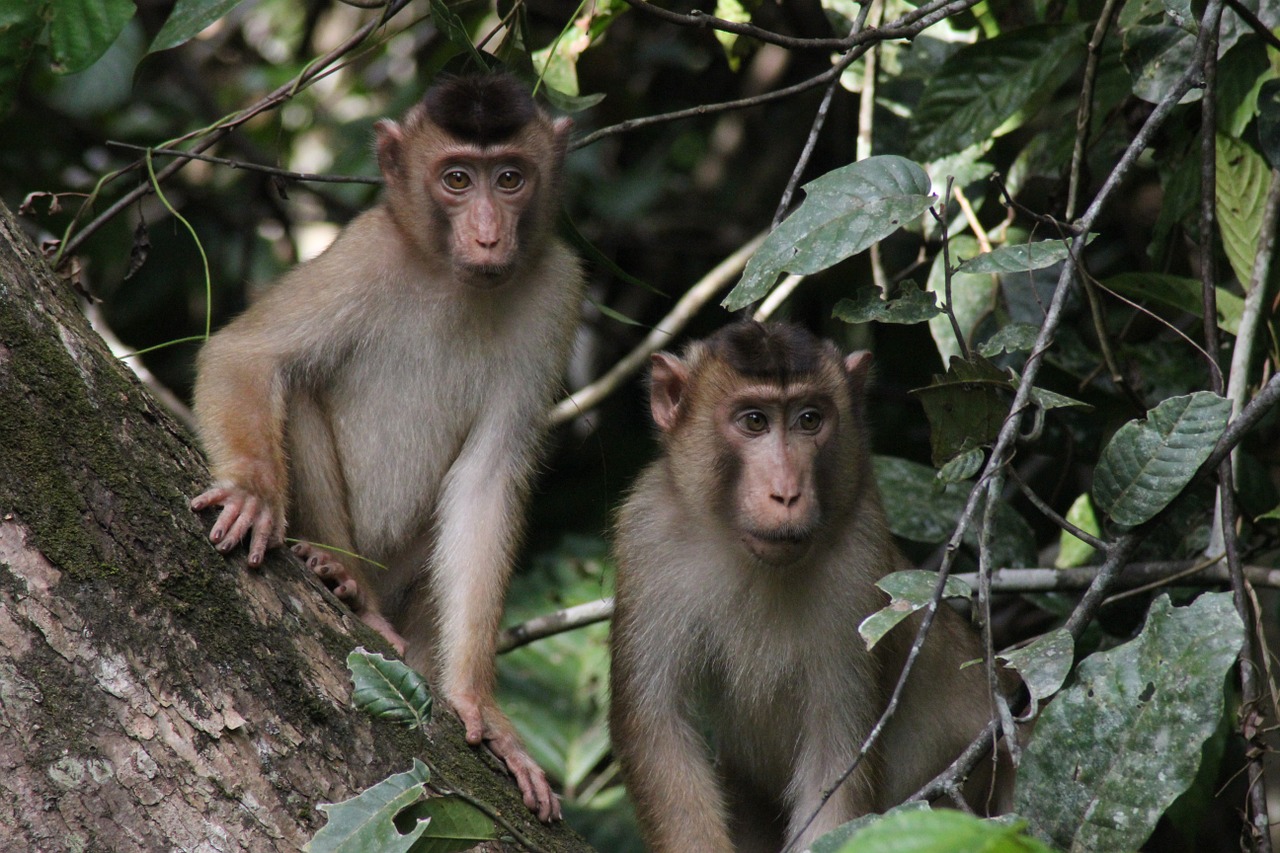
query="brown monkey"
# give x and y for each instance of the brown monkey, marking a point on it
(388, 397)
(747, 555)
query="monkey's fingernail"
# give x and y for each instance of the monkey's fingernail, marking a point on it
(215, 535)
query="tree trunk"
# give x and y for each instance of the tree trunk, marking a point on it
(154, 695)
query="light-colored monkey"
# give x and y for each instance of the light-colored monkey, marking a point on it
(747, 556)
(388, 398)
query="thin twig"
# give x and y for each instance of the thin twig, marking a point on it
(1084, 115)
(896, 30)
(314, 70)
(251, 167)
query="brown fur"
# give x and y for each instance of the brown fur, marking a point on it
(388, 398)
(758, 643)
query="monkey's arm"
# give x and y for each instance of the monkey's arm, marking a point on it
(479, 518)
(240, 408)
(665, 763)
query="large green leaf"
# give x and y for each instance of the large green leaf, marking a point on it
(843, 213)
(908, 591)
(982, 86)
(966, 406)
(1242, 181)
(1178, 292)
(1147, 463)
(1114, 749)
(366, 823)
(922, 508)
(80, 31)
(187, 19)
(941, 831)
(388, 689)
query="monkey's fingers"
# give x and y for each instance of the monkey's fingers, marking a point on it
(213, 496)
(533, 784)
(264, 535)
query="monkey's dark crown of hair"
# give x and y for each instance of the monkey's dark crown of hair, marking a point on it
(778, 351)
(483, 108)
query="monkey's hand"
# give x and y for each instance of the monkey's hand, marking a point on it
(485, 723)
(342, 583)
(242, 511)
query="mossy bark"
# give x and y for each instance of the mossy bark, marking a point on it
(154, 695)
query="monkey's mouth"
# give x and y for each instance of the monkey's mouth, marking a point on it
(778, 546)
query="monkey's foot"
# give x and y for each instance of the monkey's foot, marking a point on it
(344, 585)
(485, 723)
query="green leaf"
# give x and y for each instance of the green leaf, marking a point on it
(844, 212)
(1049, 400)
(834, 841)
(187, 19)
(966, 406)
(388, 689)
(20, 26)
(1157, 56)
(963, 466)
(365, 823)
(922, 508)
(1242, 181)
(1242, 71)
(982, 86)
(80, 31)
(1073, 552)
(1021, 258)
(1180, 12)
(908, 592)
(1147, 463)
(1269, 121)
(912, 305)
(1045, 664)
(1087, 778)
(454, 825)
(1178, 292)
(731, 10)
(940, 831)
(1015, 337)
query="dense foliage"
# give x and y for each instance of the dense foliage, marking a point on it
(1025, 208)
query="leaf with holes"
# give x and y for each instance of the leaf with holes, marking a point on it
(1087, 779)
(1147, 463)
(366, 823)
(908, 592)
(911, 305)
(388, 689)
(843, 213)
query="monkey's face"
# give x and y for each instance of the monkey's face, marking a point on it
(777, 440)
(486, 201)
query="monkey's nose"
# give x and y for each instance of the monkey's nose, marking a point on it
(788, 499)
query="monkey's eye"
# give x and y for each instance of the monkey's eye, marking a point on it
(456, 179)
(510, 179)
(810, 420)
(753, 421)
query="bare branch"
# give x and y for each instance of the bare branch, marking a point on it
(559, 622)
(585, 399)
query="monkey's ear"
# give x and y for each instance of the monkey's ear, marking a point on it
(857, 366)
(390, 141)
(668, 381)
(560, 130)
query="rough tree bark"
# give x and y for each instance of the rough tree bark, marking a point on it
(153, 695)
